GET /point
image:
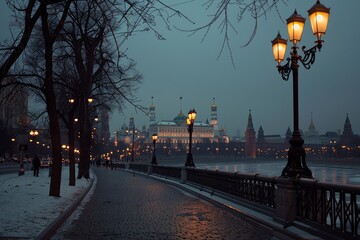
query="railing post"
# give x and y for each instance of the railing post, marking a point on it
(149, 169)
(183, 174)
(285, 200)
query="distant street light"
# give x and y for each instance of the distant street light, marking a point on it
(154, 138)
(12, 147)
(190, 122)
(127, 154)
(33, 134)
(319, 15)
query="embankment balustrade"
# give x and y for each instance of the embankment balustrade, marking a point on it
(333, 207)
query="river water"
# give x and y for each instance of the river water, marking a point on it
(341, 171)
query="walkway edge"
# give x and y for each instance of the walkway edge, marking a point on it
(50, 230)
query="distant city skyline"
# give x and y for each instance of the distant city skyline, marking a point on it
(241, 129)
(184, 66)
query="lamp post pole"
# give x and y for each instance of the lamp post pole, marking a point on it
(71, 144)
(318, 14)
(190, 122)
(286, 191)
(153, 160)
(33, 134)
(132, 146)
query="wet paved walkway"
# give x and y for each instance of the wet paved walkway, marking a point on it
(128, 206)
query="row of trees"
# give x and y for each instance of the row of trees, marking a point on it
(72, 49)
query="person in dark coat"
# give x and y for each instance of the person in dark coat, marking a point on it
(36, 165)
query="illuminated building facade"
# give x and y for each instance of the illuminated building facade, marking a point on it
(176, 132)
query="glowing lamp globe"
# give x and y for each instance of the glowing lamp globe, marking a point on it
(319, 18)
(279, 48)
(295, 24)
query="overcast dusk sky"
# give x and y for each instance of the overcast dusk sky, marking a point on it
(184, 66)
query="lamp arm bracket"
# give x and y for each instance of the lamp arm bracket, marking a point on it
(285, 70)
(309, 55)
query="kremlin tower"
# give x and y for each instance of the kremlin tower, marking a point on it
(347, 138)
(250, 139)
(152, 112)
(213, 118)
(261, 137)
(131, 123)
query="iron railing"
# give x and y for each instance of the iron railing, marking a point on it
(139, 167)
(119, 165)
(174, 172)
(254, 188)
(334, 206)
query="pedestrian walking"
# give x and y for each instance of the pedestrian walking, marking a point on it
(36, 165)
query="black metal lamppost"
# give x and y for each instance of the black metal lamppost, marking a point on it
(154, 138)
(190, 122)
(71, 142)
(319, 15)
(133, 144)
(33, 134)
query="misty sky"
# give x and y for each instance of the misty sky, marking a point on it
(183, 66)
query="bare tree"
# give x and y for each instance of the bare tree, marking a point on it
(100, 72)
(225, 14)
(92, 52)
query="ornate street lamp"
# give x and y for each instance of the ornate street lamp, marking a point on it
(190, 122)
(33, 134)
(154, 138)
(319, 15)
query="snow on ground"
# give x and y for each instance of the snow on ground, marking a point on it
(25, 205)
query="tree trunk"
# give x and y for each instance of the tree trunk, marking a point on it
(50, 99)
(71, 149)
(84, 139)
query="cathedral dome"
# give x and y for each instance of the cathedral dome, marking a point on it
(180, 119)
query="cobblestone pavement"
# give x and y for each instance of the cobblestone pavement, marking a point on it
(128, 206)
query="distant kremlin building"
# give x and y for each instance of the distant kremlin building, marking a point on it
(175, 131)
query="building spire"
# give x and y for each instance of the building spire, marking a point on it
(347, 138)
(152, 111)
(250, 122)
(250, 139)
(214, 118)
(347, 126)
(312, 128)
(181, 104)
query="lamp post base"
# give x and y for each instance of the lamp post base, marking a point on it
(296, 165)
(285, 200)
(189, 161)
(153, 161)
